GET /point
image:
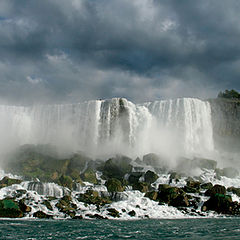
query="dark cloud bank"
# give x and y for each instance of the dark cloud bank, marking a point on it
(61, 51)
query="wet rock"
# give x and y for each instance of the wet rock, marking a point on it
(174, 176)
(6, 181)
(216, 189)
(114, 185)
(89, 176)
(234, 190)
(10, 209)
(162, 187)
(192, 186)
(132, 213)
(113, 212)
(141, 186)
(48, 205)
(92, 197)
(77, 217)
(204, 163)
(116, 167)
(65, 205)
(150, 177)
(65, 181)
(153, 195)
(40, 214)
(221, 203)
(23, 207)
(134, 177)
(206, 185)
(173, 196)
(153, 160)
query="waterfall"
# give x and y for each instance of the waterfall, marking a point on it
(112, 126)
(47, 189)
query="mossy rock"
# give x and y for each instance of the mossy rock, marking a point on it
(220, 203)
(89, 176)
(141, 186)
(216, 189)
(41, 214)
(173, 196)
(23, 207)
(153, 195)
(150, 177)
(65, 204)
(6, 181)
(114, 185)
(162, 187)
(113, 212)
(116, 167)
(206, 185)
(234, 190)
(134, 177)
(92, 197)
(65, 181)
(10, 209)
(48, 205)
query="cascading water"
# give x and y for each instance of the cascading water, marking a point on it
(112, 126)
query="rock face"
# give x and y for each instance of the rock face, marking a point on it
(226, 123)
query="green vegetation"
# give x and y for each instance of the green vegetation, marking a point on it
(231, 94)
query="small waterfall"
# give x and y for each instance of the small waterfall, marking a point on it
(47, 189)
(112, 126)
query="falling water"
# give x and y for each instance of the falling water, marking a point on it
(182, 126)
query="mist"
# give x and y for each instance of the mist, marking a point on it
(171, 129)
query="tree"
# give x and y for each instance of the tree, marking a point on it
(231, 94)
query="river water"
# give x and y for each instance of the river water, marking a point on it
(209, 228)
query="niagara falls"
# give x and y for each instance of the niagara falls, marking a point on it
(119, 119)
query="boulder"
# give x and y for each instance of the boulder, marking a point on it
(173, 196)
(134, 177)
(216, 189)
(153, 195)
(92, 197)
(10, 209)
(116, 167)
(6, 181)
(113, 212)
(41, 214)
(48, 205)
(204, 163)
(153, 160)
(206, 185)
(150, 177)
(89, 176)
(221, 203)
(114, 185)
(192, 186)
(132, 213)
(65, 181)
(141, 186)
(234, 190)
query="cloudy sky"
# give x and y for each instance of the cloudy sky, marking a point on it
(74, 50)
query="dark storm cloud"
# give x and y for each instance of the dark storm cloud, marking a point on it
(60, 50)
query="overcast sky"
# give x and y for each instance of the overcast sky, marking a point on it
(74, 50)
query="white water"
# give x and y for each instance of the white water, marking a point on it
(169, 127)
